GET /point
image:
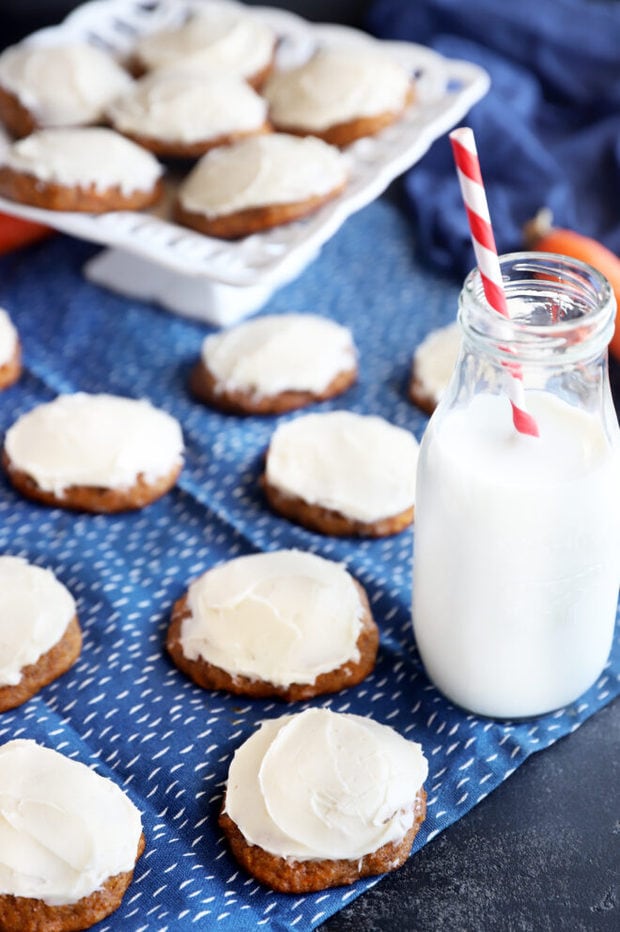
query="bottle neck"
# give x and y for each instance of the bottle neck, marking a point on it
(561, 312)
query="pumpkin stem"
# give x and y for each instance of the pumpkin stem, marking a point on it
(539, 226)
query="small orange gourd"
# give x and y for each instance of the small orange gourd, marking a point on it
(16, 232)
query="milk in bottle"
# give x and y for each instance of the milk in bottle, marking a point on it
(517, 538)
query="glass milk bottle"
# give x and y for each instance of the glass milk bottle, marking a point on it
(517, 538)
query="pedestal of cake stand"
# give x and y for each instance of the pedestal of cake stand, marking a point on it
(195, 296)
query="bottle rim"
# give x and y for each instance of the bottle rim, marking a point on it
(560, 283)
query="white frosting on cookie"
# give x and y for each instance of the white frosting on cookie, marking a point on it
(182, 107)
(94, 440)
(65, 85)
(336, 85)
(435, 358)
(278, 353)
(35, 609)
(8, 338)
(216, 37)
(359, 465)
(83, 157)
(263, 170)
(64, 830)
(282, 617)
(324, 784)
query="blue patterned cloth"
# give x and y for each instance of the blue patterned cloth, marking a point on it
(124, 708)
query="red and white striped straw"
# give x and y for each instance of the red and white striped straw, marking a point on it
(483, 240)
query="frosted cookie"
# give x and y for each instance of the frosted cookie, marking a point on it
(342, 473)
(275, 363)
(214, 38)
(66, 85)
(177, 114)
(286, 624)
(10, 352)
(432, 366)
(89, 169)
(98, 453)
(259, 183)
(40, 637)
(322, 798)
(69, 841)
(340, 94)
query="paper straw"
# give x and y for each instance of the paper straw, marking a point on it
(483, 240)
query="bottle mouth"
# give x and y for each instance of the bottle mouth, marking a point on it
(555, 304)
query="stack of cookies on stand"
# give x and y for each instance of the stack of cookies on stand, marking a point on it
(261, 146)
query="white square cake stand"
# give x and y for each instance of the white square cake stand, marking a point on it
(220, 282)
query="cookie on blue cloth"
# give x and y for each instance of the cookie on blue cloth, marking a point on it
(98, 453)
(320, 799)
(432, 365)
(275, 363)
(69, 841)
(10, 352)
(286, 624)
(40, 636)
(343, 474)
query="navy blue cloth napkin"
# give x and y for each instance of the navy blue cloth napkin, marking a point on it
(548, 132)
(124, 708)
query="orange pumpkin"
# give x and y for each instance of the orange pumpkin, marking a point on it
(15, 232)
